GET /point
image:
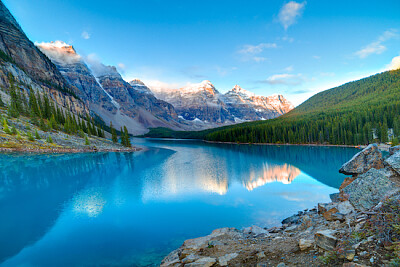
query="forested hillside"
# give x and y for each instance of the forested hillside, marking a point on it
(345, 115)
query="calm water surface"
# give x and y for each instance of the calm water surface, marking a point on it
(131, 209)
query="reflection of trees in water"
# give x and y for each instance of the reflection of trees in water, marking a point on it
(34, 188)
(321, 163)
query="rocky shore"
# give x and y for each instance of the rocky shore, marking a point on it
(24, 139)
(360, 227)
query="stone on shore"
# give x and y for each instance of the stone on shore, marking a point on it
(305, 243)
(394, 162)
(370, 157)
(368, 189)
(393, 149)
(325, 240)
(202, 262)
(255, 230)
(224, 260)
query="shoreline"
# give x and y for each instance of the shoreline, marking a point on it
(286, 144)
(57, 150)
(344, 232)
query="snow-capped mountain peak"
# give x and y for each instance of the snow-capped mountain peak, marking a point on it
(241, 92)
(204, 86)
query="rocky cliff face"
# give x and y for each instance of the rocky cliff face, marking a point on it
(108, 95)
(76, 72)
(246, 105)
(30, 68)
(205, 103)
(197, 102)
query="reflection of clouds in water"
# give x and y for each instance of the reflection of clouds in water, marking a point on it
(272, 173)
(90, 203)
(206, 174)
(302, 196)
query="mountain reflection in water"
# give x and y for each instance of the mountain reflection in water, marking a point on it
(133, 208)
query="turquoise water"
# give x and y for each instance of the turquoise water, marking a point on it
(131, 209)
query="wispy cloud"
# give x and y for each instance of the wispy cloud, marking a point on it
(259, 59)
(289, 68)
(290, 12)
(377, 47)
(256, 49)
(395, 64)
(284, 79)
(316, 57)
(85, 35)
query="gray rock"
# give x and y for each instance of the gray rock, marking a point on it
(394, 162)
(202, 262)
(345, 207)
(256, 230)
(370, 157)
(223, 260)
(393, 149)
(215, 243)
(305, 243)
(294, 219)
(325, 239)
(368, 189)
(338, 217)
(335, 197)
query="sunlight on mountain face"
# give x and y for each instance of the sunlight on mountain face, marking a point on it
(283, 173)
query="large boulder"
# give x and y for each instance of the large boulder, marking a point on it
(394, 162)
(326, 240)
(368, 189)
(393, 149)
(370, 157)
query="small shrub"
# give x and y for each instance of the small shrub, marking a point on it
(49, 140)
(13, 130)
(87, 141)
(37, 136)
(30, 137)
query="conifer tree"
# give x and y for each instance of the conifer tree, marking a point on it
(1, 102)
(114, 136)
(37, 136)
(126, 137)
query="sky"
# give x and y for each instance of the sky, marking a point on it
(293, 48)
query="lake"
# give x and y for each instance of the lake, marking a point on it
(132, 209)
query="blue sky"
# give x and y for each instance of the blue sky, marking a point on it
(294, 48)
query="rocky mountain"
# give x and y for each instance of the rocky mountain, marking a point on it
(57, 70)
(108, 95)
(30, 69)
(203, 102)
(246, 105)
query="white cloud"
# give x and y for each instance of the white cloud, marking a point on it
(159, 86)
(290, 12)
(284, 79)
(260, 59)
(289, 69)
(316, 57)
(98, 68)
(85, 35)
(256, 49)
(377, 47)
(59, 52)
(395, 64)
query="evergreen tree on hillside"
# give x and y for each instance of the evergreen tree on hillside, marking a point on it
(126, 138)
(114, 136)
(1, 102)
